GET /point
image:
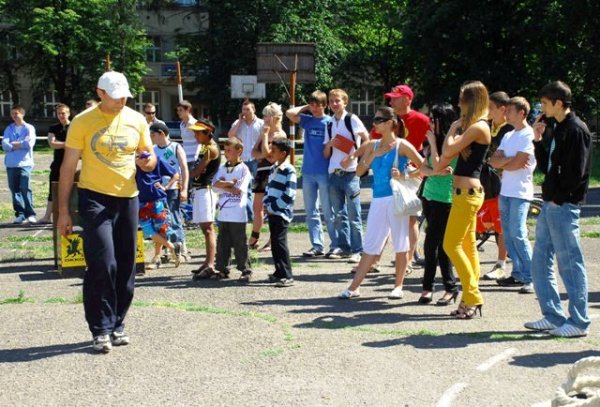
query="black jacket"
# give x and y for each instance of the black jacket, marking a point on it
(569, 175)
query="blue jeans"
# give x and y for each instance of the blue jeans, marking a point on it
(20, 189)
(175, 216)
(315, 189)
(513, 214)
(252, 165)
(557, 232)
(344, 195)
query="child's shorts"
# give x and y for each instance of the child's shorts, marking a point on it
(154, 218)
(488, 217)
(204, 203)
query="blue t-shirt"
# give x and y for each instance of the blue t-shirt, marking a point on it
(145, 181)
(314, 134)
(382, 172)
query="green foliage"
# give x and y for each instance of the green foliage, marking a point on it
(19, 299)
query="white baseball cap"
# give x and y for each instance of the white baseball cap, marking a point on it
(114, 84)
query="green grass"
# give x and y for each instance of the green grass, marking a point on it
(595, 220)
(19, 299)
(6, 212)
(29, 238)
(40, 172)
(538, 177)
(591, 235)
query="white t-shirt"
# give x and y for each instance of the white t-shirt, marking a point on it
(232, 207)
(189, 143)
(518, 183)
(339, 127)
(248, 134)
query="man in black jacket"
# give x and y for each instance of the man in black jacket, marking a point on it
(567, 166)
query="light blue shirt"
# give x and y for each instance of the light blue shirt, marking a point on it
(22, 156)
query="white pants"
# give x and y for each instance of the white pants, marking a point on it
(380, 222)
(204, 203)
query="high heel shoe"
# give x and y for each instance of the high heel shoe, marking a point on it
(461, 309)
(446, 300)
(425, 298)
(470, 312)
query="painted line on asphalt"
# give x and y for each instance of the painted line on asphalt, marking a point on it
(34, 235)
(450, 394)
(495, 359)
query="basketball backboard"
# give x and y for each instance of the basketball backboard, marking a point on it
(275, 61)
(247, 87)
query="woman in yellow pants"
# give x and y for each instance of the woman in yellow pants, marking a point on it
(469, 139)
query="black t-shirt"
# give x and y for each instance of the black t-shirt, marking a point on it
(60, 133)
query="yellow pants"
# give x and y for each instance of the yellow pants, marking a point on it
(459, 244)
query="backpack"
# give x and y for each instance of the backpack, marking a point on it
(348, 124)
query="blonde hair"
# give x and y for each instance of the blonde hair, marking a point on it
(274, 110)
(341, 93)
(474, 96)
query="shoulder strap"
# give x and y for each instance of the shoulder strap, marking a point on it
(395, 165)
(329, 125)
(348, 123)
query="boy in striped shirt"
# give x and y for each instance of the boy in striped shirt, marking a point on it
(279, 203)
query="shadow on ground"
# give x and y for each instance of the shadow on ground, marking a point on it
(43, 352)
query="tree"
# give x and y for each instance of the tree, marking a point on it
(64, 43)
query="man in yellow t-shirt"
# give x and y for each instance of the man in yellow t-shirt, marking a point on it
(110, 138)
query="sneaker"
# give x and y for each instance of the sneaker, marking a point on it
(526, 289)
(396, 294)
(334, 253)
(496, 273)
(19, 220)
(102, 343)
(540, 325)
(509, 282)
(313, 253)
(354, 259)
(568, 331)
(31, 219)
(284, 282)
(245, 277)
(119, 338)
(348, 294)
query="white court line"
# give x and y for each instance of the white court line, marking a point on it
(450, 394)
(34, 235)
(495, 359)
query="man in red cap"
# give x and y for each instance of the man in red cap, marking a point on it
(417, 125)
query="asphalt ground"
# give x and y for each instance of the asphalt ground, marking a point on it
(219, 343)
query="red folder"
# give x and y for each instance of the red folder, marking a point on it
(343, 144)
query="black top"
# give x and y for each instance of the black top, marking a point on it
(568, 177)
(205, 179)
(60, 133)
(471, 166)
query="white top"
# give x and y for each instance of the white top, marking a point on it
(518, 183)
(248, 134)
(232, 207)
(189, 143)
(339, 127)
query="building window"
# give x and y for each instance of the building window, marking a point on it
(150, 96)
(49, 103)
(154, 51)
(6, 102)
(362, 103)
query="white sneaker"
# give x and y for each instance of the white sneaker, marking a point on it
(348, 294)
(354, 259)
(119, 338)
(102, 343)
(496, 273)
(568, 331)
(540, 325)
(396, 294)
(32, 219)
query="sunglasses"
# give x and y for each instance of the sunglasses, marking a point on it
(152, 113)
(379, 120)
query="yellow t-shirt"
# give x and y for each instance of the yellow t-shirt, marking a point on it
(109, 144)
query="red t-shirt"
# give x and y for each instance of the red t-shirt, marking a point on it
(374, 134)
(417, 125)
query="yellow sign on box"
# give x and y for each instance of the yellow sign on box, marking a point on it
(71, 250)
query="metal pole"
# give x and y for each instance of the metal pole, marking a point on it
(292, 125)
(179, 86)
(107, 63)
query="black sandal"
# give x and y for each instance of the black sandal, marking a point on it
(254, 245)
(219, 275)
(204, 274)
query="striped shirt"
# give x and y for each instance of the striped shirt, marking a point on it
(281, 191)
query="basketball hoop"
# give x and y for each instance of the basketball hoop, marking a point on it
(247, 87)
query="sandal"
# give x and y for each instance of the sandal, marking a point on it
(460, 310)
(218, 275)
(470, 312)
(245, 277)
(204, 274)
(253, 244)
(199, 269)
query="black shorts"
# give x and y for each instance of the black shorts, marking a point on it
(259, 184)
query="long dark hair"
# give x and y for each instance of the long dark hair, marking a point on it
(443, 115)
(398, 128)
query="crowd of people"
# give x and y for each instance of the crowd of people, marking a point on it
(132, 173)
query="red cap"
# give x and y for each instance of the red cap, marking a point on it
(400, 90)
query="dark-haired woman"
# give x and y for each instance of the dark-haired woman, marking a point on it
(382, 220)
(468, 139)
(437, 200)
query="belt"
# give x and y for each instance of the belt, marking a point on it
(470, 191)
(340, 173)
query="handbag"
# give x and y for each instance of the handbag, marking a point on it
(406, 201)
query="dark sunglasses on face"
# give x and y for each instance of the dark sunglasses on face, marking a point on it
(152, 113)
(379, 120)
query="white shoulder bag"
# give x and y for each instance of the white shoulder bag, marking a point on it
(406, 201)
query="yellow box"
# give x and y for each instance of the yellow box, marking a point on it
(71, 250)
